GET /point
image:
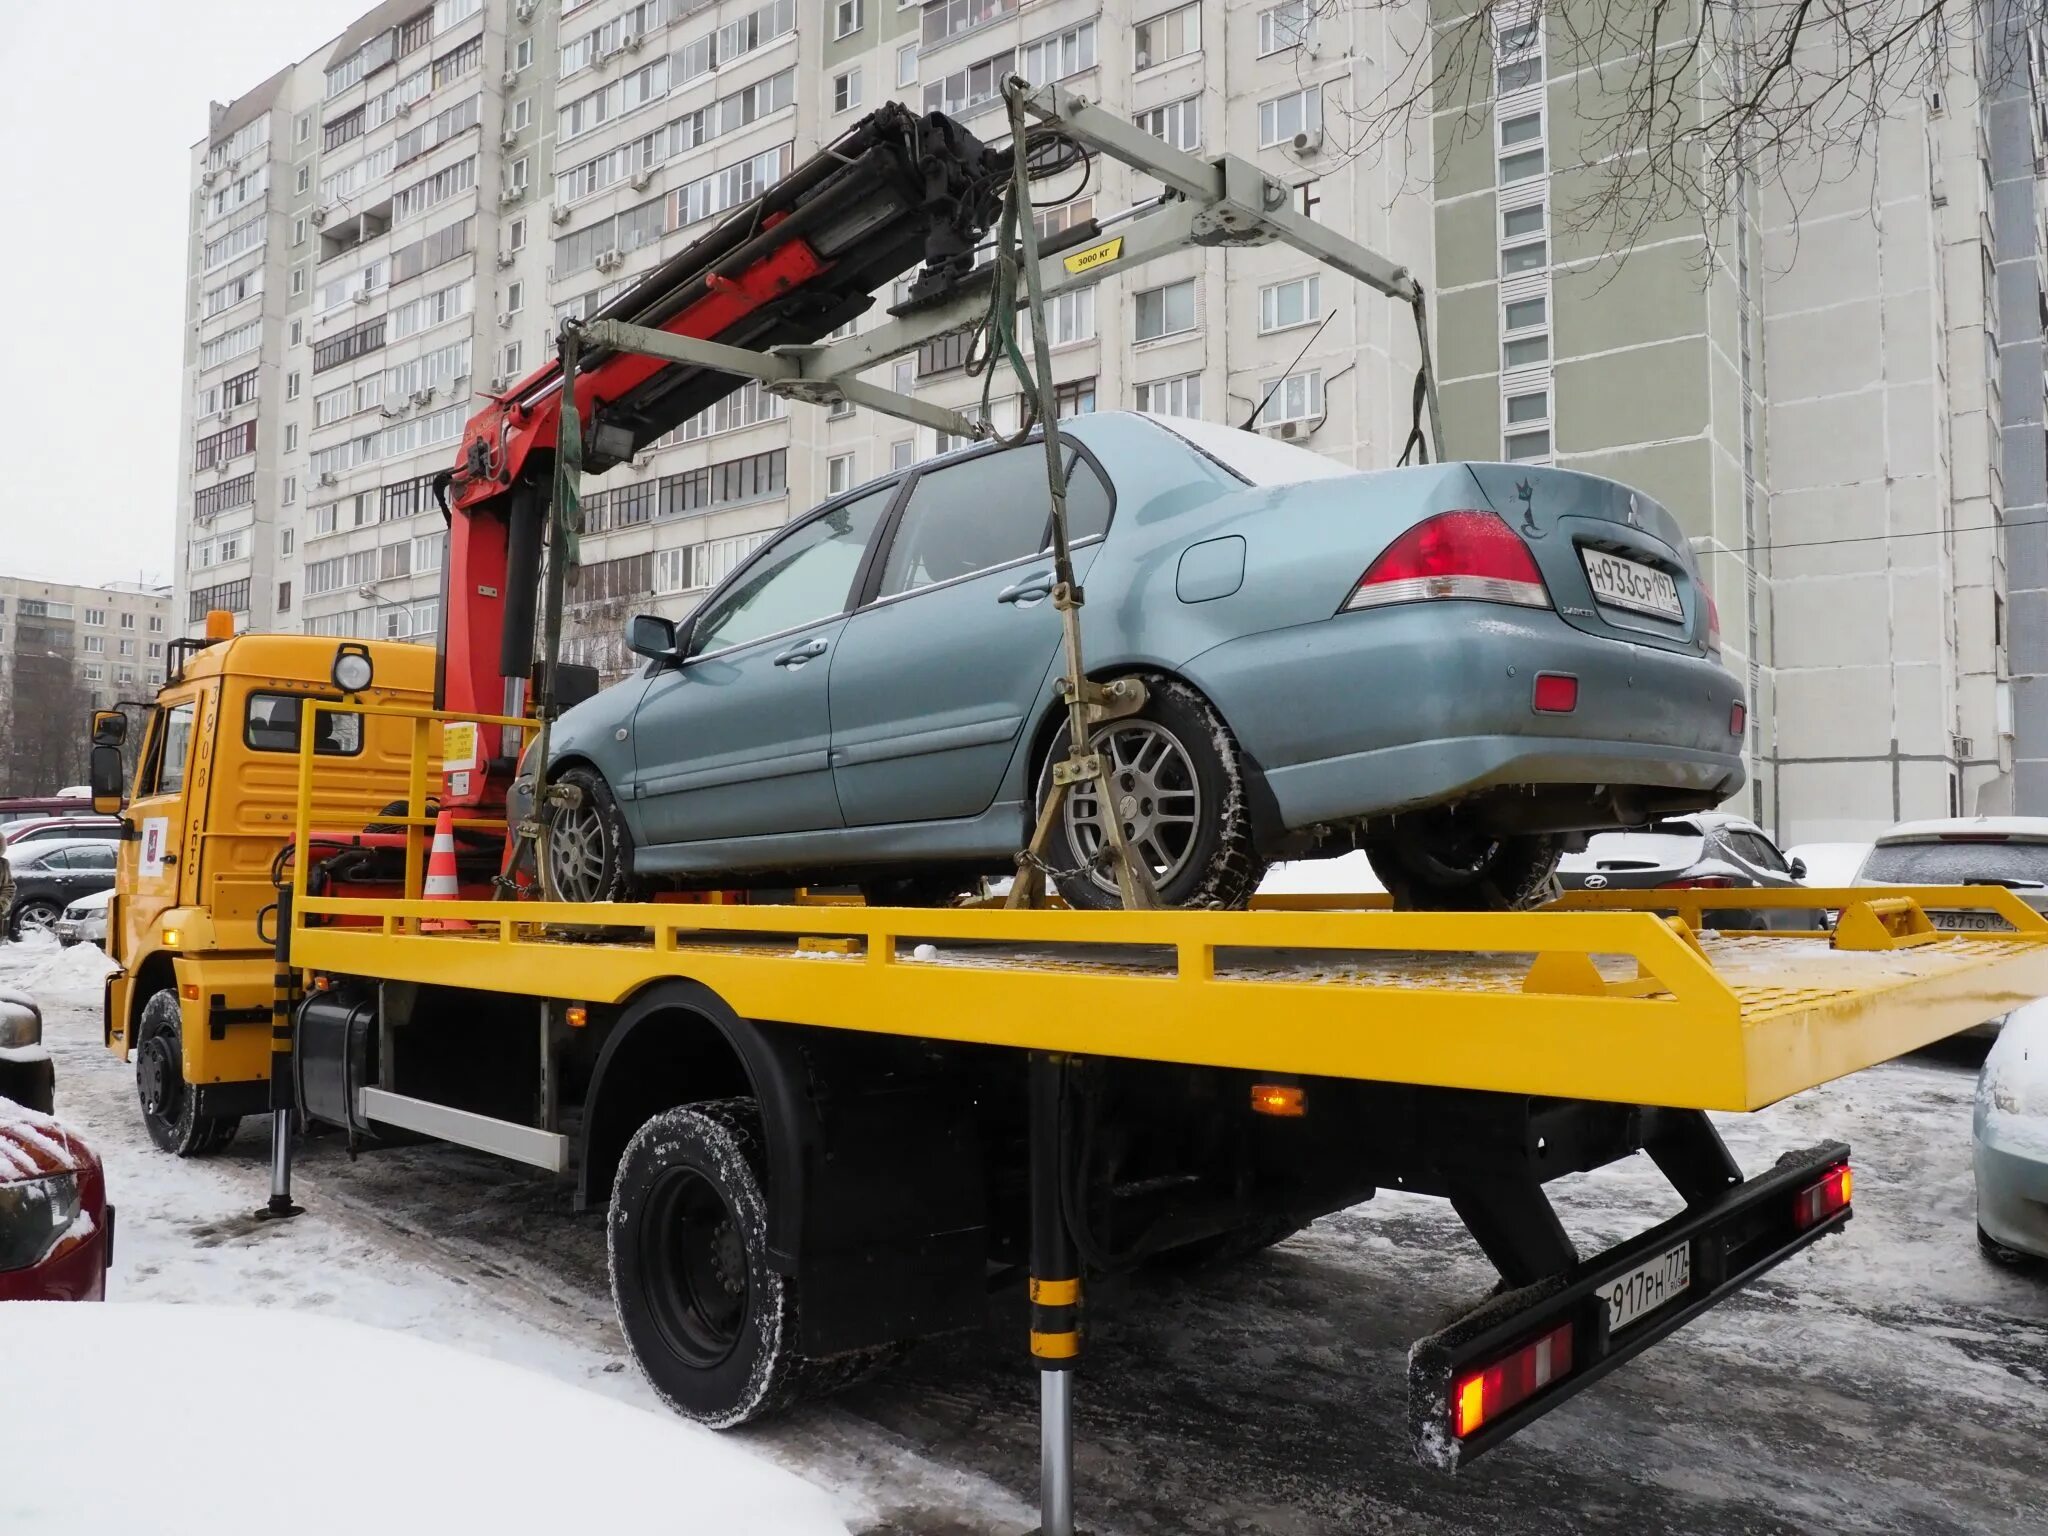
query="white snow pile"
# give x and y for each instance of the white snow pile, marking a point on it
(441, 1440)
(1346, 875)
(2012, 1090)
(41, 967)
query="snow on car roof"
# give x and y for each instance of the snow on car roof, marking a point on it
(424, 1428)
(1251, 455)
(41, 846)
(92, 903)
(2033, 829)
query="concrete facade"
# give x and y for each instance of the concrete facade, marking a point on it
(113, 636)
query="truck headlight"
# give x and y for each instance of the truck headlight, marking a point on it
(34, 1214)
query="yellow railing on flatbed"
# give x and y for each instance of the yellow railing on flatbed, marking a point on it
(1598, 997)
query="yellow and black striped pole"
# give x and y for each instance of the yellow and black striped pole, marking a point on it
(1055, 1299)
(283, 997)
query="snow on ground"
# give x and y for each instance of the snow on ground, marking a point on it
(1346, 875)
(410, 1425)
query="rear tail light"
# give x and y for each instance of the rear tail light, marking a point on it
(1482, 1395)
(1738, 719)
(1471, 555)
(1713, 622)
(1700, 883)
(1556, 693)
(1818, 1201)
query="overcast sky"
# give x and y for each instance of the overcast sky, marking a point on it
(101, 119)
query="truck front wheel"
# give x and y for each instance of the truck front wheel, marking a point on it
(169, 1106)
(711, 1323)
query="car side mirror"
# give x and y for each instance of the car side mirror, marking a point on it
(1798, 868)
(109, 728)
(652, 636)
(103, 774)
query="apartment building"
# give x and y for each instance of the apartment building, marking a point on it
(400, 218)
(1812, 381)
(112, 638)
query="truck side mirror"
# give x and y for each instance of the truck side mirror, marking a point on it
(652, 636)
(109, 728)
(103, 773)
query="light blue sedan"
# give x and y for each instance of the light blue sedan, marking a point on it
(1457, 668)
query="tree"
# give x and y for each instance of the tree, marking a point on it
(45, 714)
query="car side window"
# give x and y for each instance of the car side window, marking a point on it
(1763, 853)
(805, 575)
(91, 858)
(55, 859)
(984, 512)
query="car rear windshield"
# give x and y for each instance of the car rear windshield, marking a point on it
(1974, 863)
(1636, 850)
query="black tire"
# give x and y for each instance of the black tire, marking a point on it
(1208, 862)
(1431, 865)
(2007, 1258)
(169, 1107)
(33, 913)
(590, 852)
(711, 1324)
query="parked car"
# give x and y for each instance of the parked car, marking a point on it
(2009, 1133)
(21, 807)
(1829, 864)
(27, 1075)
(2011, 851)
(1708, 850)
(1452, 666)
(49, 876)
(56, 1228)
(41, 829)
(85, 920)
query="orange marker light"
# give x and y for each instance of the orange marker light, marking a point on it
(577, 1015)
(1818, 1201)
(1285, 1100)
(190, 990)
(1490, 1391)
(220, 624)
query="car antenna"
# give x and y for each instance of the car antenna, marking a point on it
(1252, 419)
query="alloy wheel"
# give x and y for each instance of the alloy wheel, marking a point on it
(1153, 790)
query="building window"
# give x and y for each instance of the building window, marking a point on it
(522, 54)
(951, 18)
(1287, 25)
(839, 473)
(903, 375)
(509, 360)
(97, 617)
(515, 237)
(302, 128)
(906, 65)
(1297, 397)
(1178, 123)
(903, 453)
(515, 298)
(1165, 311)
(1173, 35)
(156, 624)
(291, 386)
(291, 436)
(1285, 305)
(285, 539)
(299, 231)
(305, 180)
(1285, 118)
(522, 114)
(846, 18)
(1518, 58)
(1525, 332)
(1180, 396)
(1521, 147)
(1523, 246)
(1527, 418)
(1056, 57)
(284, 597)
(95, 645)
(1070, 318)
(286, 497)
(840, 410)
(846, 90)
(515, 176)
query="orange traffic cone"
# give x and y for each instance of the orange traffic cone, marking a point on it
(443, 883)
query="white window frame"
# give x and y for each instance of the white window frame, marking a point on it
(846, 93)
(848, 16)
(906, 64)
(1306, 115)
(1277, 34)
(1278, 408)
(1194, 311)
(1311, 286)
(842, 473)
(1527, 429)
(1180, 395)
(1189, 18)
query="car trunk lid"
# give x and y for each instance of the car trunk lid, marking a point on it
(1567, 518)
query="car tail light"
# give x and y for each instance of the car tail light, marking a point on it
(1556, 693)
(1699, 883)
(1713, 622)
(1818, 1201)
(1472, 555)
(1486, 1393)
(1738, 719)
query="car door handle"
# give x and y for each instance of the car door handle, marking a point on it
(797, 655)
(1028, 591)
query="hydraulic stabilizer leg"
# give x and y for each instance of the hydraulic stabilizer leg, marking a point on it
(1055, 1303)
(283, 993)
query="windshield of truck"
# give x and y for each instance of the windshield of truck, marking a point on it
(2022, 865)
(273, 726)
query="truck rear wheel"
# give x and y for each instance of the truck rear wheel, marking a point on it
(169, 1106)
(711, 1323)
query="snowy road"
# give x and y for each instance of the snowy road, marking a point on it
(1886, 1381)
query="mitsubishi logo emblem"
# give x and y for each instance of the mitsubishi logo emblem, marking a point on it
(1635, 513)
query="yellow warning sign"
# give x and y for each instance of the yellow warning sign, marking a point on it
(458, 746)
(1096, 256)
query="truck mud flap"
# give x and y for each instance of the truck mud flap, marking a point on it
(1520, 1354)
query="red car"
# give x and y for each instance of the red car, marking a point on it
(56, 1228)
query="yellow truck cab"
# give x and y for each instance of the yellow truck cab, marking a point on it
(207, 820)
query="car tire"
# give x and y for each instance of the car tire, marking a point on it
(1178, 748)
(590, 852)
(33, 914)
(711, 1323)
(1429, 865)
(169, 1106)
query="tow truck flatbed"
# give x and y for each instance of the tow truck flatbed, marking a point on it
(1605, 1001)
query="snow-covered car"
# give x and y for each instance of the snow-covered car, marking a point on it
(85, 920)
(26, 1075)
(1828, 865)
(428, 1425)
(56, 1228)
(2010, 1136)
(2011, 851)
(1708, 850)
